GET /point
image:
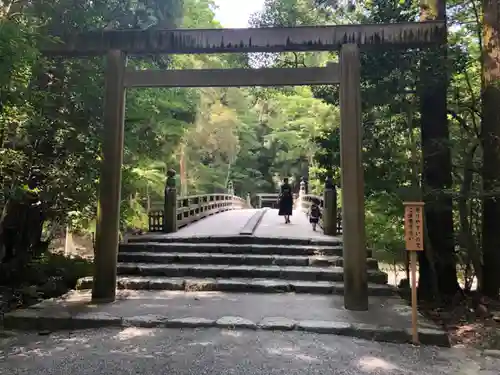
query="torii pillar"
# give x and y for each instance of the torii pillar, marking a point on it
(352, 180)
(108, 210)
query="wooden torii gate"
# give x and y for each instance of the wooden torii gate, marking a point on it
(348, 39)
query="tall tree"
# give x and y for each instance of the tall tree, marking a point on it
(490, 96)
(437, 167)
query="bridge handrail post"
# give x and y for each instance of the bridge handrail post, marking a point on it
(330, 208)
(302, 189)
(230, 188)
(236, 202)
(170, 207)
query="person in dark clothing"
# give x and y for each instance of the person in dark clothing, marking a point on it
(286, 201)
(314, 214)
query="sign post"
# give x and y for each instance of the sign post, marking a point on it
(414, 238)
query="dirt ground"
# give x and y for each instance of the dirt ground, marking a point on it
(78, 245)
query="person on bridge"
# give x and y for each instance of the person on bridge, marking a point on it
(314, 214)
(286, 201)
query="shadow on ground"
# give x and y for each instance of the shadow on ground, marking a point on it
(212, 351)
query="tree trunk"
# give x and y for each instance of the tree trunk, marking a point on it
(490, 95)
(436, 172)
(466, 236)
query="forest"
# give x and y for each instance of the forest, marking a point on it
(430, 123)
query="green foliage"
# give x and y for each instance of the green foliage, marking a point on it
(384, 223)
(46, 268)
(24, 283)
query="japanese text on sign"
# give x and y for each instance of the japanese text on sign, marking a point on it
(414, 226)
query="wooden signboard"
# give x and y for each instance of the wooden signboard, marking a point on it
(414, 238)
(414, 226)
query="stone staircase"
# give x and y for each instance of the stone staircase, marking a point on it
(237, 264)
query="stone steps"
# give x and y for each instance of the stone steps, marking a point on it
(236, 285)
(237, 259)
(244, 264)
(235, 240)
(230, 248)
(309, 273)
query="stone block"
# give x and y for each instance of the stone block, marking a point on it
(265, 272)
(134, 283)
(322, 326)
(313, 287)
(128, 268)
(234, 322)
(35, 319)
(277, 323)
(145, 321)
(372, 264)
(95, 319)
(234, 259)
(325, 261)
(492, 353)
(291, 261)
(200, 285)
(84, 283)
(269, 286)
(226, 285)
(166, 284)
(379, 333)
(189, 322)
(47, 304)
(430, 336)
(308, 273)
(206, 270)
(6, 334)
(377, 277)
(381, 290)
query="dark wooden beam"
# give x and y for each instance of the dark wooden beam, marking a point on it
(233, 77)
(305, 38)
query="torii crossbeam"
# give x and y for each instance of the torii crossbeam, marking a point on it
(272, 39)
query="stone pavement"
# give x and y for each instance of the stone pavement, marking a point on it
(387, 320)
(223, 224)
(127, 351)
(273, 225)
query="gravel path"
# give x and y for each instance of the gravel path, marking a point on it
(221, 352)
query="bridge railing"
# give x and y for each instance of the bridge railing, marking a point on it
(331, 215)
(267, 200)
(177, 212)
